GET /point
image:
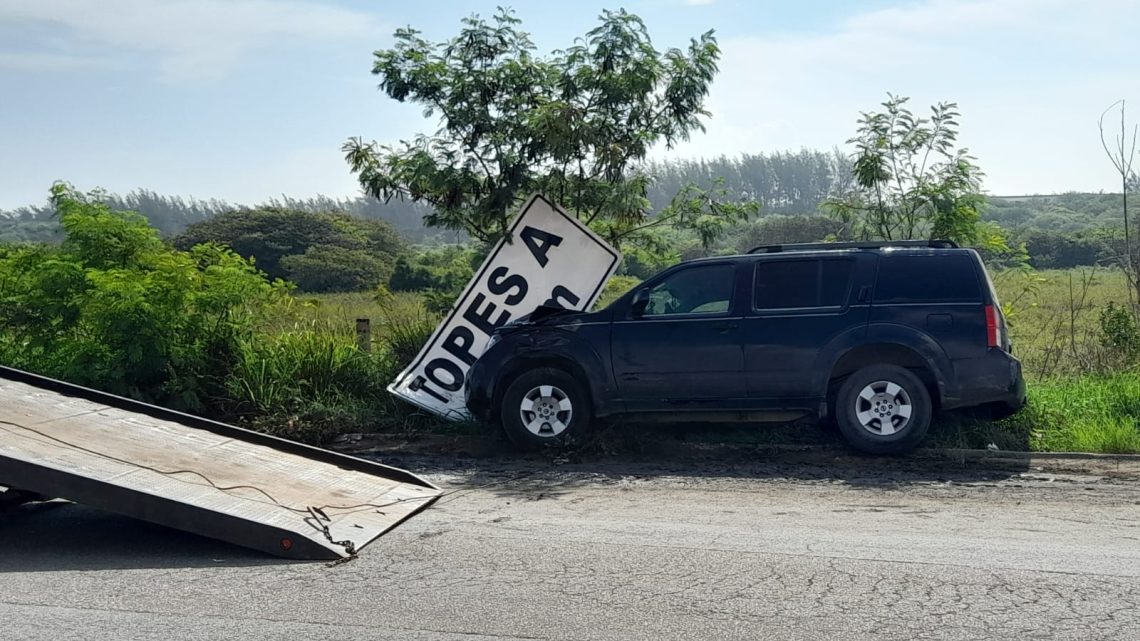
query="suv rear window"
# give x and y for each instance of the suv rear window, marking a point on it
(929, 278)
(796, 284)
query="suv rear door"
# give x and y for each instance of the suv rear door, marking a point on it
(938, 292)
(684, 350)
(799, 305)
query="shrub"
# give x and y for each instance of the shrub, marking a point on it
(114, 308)
(445, 269)
(326, 268)
(1118, 329)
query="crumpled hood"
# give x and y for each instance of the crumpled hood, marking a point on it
(544, 315)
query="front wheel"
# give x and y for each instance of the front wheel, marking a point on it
(883, 409)
(544, 405)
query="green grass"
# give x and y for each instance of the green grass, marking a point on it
(1090, 414)
(1096, 413)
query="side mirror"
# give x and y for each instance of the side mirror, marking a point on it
(640, 302)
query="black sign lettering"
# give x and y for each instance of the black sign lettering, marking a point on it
(432, 372)
(500, 285)
(481, 319)
(419, 384)
(458, 343)
(560, 294)
(539, 242)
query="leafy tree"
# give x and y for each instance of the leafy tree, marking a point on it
(575, 124)
(296, 245)
(1053, 250)
(114, 307)
(911, 181)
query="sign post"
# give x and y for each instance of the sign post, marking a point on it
(548, 257)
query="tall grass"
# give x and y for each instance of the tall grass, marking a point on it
(310, 383)
(1088, 414)
(1096, 413)
(304, 377)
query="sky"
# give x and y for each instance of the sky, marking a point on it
(249, 99)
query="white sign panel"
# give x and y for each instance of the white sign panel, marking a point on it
(548, 258)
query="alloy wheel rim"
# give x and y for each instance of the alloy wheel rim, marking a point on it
(546, 411)
(883, 408)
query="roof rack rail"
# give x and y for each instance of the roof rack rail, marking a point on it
(791, 247)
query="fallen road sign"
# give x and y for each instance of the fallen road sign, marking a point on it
(189, 473)
(547, 258)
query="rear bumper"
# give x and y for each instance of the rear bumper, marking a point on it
(994, 378)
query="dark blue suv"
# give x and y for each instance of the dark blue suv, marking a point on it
(875, 336)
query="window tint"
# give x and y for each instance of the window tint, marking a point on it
(786, 284)
(704, 289)
(947, 278)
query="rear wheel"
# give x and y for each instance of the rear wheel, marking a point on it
(883, 409)
(542, 406)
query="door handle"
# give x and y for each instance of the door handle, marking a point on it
(724, 328)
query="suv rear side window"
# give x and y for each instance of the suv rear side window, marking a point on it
(946, 278)
(798, 284)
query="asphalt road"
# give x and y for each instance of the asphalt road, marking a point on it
(840, 548)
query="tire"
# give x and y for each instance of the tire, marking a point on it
(883, 409)
(559, 408)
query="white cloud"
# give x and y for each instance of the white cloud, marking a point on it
(190, 40)
(699, 3)
(1031, 76)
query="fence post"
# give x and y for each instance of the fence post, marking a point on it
(364, 334)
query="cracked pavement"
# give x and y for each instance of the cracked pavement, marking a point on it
(827, 548)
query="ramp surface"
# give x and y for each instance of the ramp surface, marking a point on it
(197, 475)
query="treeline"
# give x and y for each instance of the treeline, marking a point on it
(1069, 212)
(1059, 231)
(782, 182)
(171, 215)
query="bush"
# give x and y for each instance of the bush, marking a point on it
(445, 269)
(114, 308)
(326, 268)
(1118, 330)
(777, 230)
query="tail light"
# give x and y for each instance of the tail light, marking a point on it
(993, 326)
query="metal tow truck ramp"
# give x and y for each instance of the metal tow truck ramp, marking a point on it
(189, 473)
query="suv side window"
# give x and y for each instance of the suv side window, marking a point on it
(798, 284)
(946, 278)
(701, 289)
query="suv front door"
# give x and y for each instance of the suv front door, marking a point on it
(683, 351)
